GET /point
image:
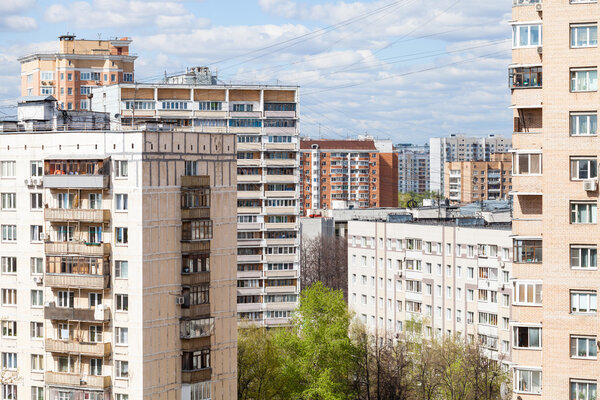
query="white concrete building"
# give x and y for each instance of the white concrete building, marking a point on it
(450, 278)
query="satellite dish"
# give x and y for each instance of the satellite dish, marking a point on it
(117, 115)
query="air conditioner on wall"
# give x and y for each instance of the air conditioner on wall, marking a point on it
(538, 7)
(38, 279)
(590, 185)
(179, 300)
(540, 50)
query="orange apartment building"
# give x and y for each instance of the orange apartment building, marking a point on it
(77, 67)
(346, 173)
(469, 181)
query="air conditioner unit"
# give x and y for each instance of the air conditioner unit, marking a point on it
(590, 185)
(38, 181)
(179, 300)
(540, 50)
(502, 265)
(50, 304)
(538, 7)
(38, 279)
(29, 181)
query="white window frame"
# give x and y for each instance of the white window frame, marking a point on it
(586, 29)
(121, 169)
(591, 212)
(589, 80)
(531, 371)
(579, 385)
(591, 123)
(574, 347)
(517, 32)
(515, 340)
(591, 165)
(591, 300)
(535, 286)
(592, 255)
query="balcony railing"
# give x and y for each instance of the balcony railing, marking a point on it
(73, 346)
(195, 181)
(76, 214)
(76, 181)
(77, 281)
(200, 375)
(51, 311)
(69, 379)
(86, 249)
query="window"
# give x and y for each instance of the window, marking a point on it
(527, 337)
(584, 257)
(527, 251)
(95, 332)
(9, 392)
(527, 163)
(127, 77)
(527, 293)
(7, 169)
(66, 299)
(210, 106)
(37, 330)
(9, 361)
(9, 265)
(122, 336)
(583, 390)
(95, 201)
(174, 105)
(527, 35)
(196, 230)
(9, 201)
(470, 294)
(583, 302)
(36, 233)
(488, 318)
(583, 213)
(122, 302)
(121, 169)
(9, 329)
(9, 297)
(37, 393)
(524, 77)
(47, 75)
(36, 201)
(191, 168)
(122, 369)
(121, 235)
(583, 168)
(584, 35)
(196, 328)
(583, 347)
(9, 233)
(584, 124)
(121, 269)
(528, 381)
(470, 272)
(584, 80)
(37, 362)
(37, 298)
(83, 104)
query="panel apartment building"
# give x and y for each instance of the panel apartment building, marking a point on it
(469, 181)
(556, 195)
(461, 148)
(77, 67)
(450, 279)
(347, 173)
(413, 168)
(265, 122)
(117, 266)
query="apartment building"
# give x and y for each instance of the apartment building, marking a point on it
(556, 196)
(413, 168)
(265, 122)
(117, 271)
(347, 173)
(77, 67)
(442, 277)
(461, 148)
(469, 181)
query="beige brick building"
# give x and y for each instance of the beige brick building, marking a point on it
(555, 198)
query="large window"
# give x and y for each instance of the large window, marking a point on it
(583, 390)
(192, 361)
(9, 233)
(9, 201)
(524, 77)
(584, 80)
(527, 163)
(584, 124)
(527, 251)
(528, 293)
(7, 169)
(583, 168)
(196, 230)
(528, 381)
(584, 302)
(584, 35)
(527, 337)
(195, 328)
(583, 347)
(527, 35)
(584, 257)
(583, 213)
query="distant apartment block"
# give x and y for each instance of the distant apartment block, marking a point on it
(264, 120)
(347, 173)
(413, 168)
(118, 273)
(77, 67)
(469, 181)
(434, 277)
(461, 148)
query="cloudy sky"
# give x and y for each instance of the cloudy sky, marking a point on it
(400, 69)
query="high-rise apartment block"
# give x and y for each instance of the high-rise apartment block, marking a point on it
(347, 173)
(461, 148)
(264, 120)
(556, 198)
(117, 265)
(469, 181)
(438, 274)
(77, 67)
(413, 168)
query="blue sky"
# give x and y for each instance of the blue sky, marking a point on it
(400, 69)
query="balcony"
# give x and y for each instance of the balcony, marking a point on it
(195, 213)
(195, 278)
(199, 246)
(76, 181)
(77, 380)
(79, 281)
(192, 344)
(280, 289)
(195, 181)
(76, 214)
(197, 310)
(82, 248)
(75, 347)
(75, 314)
(517, 3)
(200, 375)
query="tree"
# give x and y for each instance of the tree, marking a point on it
(325, 259)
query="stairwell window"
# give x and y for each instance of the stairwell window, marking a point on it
(584, 80)
(583, 168)
(584, 257)
(583, 213)
(584, 124)
(527, 35)
(584, 302)
(584, 35)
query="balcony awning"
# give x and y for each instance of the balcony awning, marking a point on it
(71, 156)
(524, 65)
(524, 193)
(526, 106)
(519, 237)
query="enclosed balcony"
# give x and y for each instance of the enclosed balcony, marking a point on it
(77, 272)
(52, 312)
(517, 3)
(78, 347)
(81, 248)
(525, 77)
(528, 120)
(76, 174)
(76, 215)
(77, 380)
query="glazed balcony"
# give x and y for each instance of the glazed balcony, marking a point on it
(75, 347)
(79, 281)
(195, 246)
(195, 181)
(82, 248)
(517, 3)
(76, 214)
(77, 380)
(52, 312)
(200, 375)
(195, 213)
(196, 278)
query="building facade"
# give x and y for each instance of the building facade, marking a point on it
(469, 181)
(413, 168)
(77, 67)
(347, 173)
(264, 120)
(118, 277)
(461, 148)
(556, 197)
(446, 278)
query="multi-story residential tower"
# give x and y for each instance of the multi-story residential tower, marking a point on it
(77, 67)
(265, 120)
(469, 181)
(413, 168)
(461, 148)
(118, 270)
(556, 197)
(449, 277)
(347, 173)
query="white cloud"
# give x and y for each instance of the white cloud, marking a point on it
(17, 23)
(16, 6)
